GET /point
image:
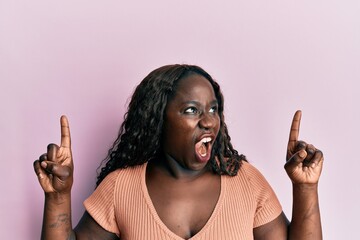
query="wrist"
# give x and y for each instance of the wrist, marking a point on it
(305, 190)
(305, 186)
(58, 198)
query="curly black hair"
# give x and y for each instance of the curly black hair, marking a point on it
(139, 138)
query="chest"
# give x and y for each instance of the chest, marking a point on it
(217, 210)
(185, 207)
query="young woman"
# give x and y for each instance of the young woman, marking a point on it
(173, 173)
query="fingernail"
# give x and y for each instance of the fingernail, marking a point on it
(43, 164)
(302, 154)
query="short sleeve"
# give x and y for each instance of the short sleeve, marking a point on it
(100, 204)
(268, 205)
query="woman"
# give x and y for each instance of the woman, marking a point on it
(173, 173)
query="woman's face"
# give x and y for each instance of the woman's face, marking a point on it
(191, 123)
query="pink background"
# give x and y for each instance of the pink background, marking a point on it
(84, 58)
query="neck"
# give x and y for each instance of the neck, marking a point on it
(172, 168)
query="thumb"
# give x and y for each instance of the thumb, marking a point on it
(296, 159)
(56, 169)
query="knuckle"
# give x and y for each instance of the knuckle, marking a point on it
(301, 144)
(43, 157)
(51, 146)
(320, 153)
(66, 174)
(311, 150)
(51, 168)
(36, 163)
(36, 166)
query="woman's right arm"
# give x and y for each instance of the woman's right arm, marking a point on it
(54, 170)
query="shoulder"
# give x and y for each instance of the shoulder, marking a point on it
(248, 180)
(268, 206)
(255, 182)
(117, 176)
(249, 167)
(249, 171)
(119, 180)
(255, 177)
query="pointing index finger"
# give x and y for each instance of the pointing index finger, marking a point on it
(65, 132)
(294, 130)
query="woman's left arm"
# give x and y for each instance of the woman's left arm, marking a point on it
(303, 166)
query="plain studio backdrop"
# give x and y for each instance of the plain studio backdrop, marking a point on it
(84, 59)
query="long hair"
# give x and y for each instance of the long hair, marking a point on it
(139, 138)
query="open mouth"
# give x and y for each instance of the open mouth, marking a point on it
(203, 146)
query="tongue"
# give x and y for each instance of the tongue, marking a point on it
(201, 149)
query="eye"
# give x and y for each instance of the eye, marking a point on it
(213, 109)
(191, 110)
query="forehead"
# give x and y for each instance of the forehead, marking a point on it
(194, 86)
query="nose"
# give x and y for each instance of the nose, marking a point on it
(207, 121)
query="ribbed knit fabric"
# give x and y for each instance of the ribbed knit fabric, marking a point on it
(121, 204)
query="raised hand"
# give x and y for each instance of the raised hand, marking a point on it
(303, 161)
(55, 168)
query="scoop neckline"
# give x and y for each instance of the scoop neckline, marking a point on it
(163, 226)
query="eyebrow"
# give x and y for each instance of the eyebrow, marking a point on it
(197, 103)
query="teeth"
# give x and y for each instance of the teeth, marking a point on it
(201, 147)
(202, 150)
(206, 140)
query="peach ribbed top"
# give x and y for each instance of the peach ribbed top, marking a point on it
(121, 204)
